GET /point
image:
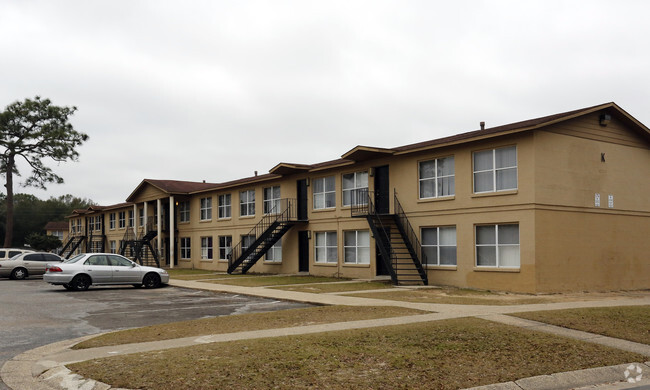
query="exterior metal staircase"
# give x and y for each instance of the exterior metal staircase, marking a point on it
(396, 240)
(96, 243)
(267, 232)
(71, 245)
(139, 249)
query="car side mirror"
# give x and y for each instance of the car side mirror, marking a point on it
(133, 265)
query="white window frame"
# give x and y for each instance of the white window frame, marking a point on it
(437, 179)
(207, 252)
(247, 203)
(130, 218)
(322, 253)
(141, 216)
(358, 249)
(499, 246)
(327, 195)
(225, 247)
(111, 221)
(494, 170)
(225, 209)
(112, 246)
(205, 211)
(438, 246)
(274, 254)
(184, 211)
(186, 248)
(272, 200)
(357, 187)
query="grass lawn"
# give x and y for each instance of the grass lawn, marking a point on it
(246, 322)
(456, 296)
(446, 354)
(274, 280)
(623, 322)
(337, 287)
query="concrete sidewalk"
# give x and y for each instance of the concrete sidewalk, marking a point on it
(44, 368)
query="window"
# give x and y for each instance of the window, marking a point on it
(495, 170)
(141, 216)
(98, 223)
(274, 253)
(79, 225)
(57, 233)
(186, 248)
(439, 245)
(111, 221)
(355, 188)
(497, 246)
(247, 203)
(130, 218)
(246, 242)
(437, 178)
(206, 248)
(326, 247)
(113, 247)
(357, 247)
(272, 200)
(206, 209)
(224, 206)
(120, 219)
(324, 193)
(184, 211)
(225, 247)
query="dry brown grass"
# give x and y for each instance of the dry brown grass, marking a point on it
(447, 354)
(458, 296)
(246, 322)
(263, 281)
(337, 287)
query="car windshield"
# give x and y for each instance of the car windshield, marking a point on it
(75, 259)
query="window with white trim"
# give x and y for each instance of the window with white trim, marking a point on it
(324, 192)
(130, 218)
(272, 200)
(246, 242)
(495, 170)
(437, 178)
(206, 248)
(356, 245)
(111, 221)
(224, 206)
(206, 209)
(184, 211)
(98, 223)
(326, 247)
(186, 248)
(247, 203)
(121, 221)
(355, 188)
(113, 247)
(497, 246)
(274, 254)
(225, 247)
(439, 245)
(141, 216)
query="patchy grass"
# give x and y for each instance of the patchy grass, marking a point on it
(457, 296)
(187, 271)
(446, 354)
(246, 322)
(623, 322)
(263, 281)
(337, 287)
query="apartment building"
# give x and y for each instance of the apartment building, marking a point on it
(558, 203)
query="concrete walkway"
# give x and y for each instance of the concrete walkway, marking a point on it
(44, 368)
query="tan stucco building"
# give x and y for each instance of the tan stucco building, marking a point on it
(559, 203)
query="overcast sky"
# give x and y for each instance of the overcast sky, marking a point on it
(215, 90)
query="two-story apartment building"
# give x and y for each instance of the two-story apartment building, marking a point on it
(558, 203)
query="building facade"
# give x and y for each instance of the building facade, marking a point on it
(559, 203)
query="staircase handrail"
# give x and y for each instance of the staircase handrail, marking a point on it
(410, 233)
(287, 212)
(385, 247)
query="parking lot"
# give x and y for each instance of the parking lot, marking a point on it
(34, 313)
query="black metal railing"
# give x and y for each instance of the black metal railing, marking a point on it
(361, 202)
(408, 230)
(283, 210)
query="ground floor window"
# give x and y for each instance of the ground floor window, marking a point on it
(113, 247)
(225, 247)
(186, 248)
(497, 246)
(206, 248)
(246, 242)
(326, 247)
(357, 247)
(275, 252)
(439, 245)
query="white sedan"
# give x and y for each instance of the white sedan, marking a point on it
(84, 270)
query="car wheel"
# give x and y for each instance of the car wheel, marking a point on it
(80, 282)
(68, 287)
(151, 280)
(19, 273)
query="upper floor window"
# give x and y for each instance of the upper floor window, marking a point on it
(121, 219)
(206, 209)
(247, 203)
(141, 216)
(495, 170)
(224, 206)
(324, 193)
(184, 211)
(111, 221)
(130, 218)
(439, 245)
(272, 200)
(497, 246)
(355, 188)
(437, 178)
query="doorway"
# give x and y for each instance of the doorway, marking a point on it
(382, 190)
(303, 251)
